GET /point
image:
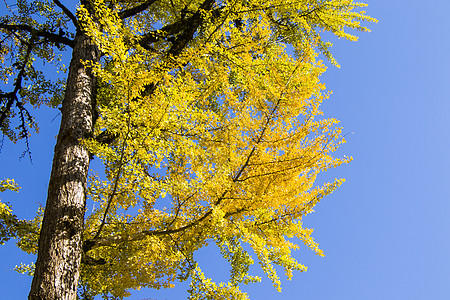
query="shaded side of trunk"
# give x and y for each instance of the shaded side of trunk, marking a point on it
(60, 243)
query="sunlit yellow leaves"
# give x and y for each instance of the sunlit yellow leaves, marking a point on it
(203, 288)
(8, 184)
(25, 231)
(7, 219)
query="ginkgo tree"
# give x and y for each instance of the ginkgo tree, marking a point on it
(209, 130)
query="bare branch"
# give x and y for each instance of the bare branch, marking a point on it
(7, 108)
(51, 37)
(135, 10)
(68, 13)
(12, 96)
(179, 33)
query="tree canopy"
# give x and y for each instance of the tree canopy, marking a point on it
(205, 115)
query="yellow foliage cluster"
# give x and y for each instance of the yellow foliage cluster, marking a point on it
(220, 141)
(226, 148)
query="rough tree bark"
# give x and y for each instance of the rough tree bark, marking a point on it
(60, 243)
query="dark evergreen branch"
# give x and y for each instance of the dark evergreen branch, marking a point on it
(135, 10)
(51, 37)
(68, 13)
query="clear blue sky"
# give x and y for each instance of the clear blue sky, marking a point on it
(386, 231)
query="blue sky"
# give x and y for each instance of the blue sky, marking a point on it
(386, 231)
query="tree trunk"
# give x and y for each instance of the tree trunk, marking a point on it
(60, 243)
